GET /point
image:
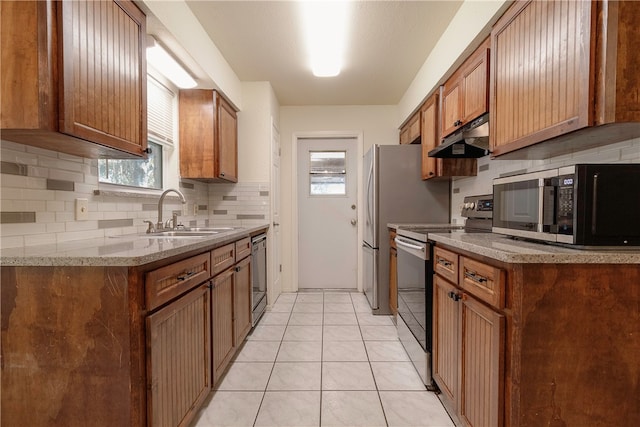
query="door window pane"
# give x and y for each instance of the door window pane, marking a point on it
(327, 173)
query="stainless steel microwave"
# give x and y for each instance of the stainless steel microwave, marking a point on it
(583, 204)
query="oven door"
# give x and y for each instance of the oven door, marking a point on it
(414, 297)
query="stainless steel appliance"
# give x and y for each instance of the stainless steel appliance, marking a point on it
(394, 193)
(584, 204)
(258, 277)
(470, 141)
(415, 281)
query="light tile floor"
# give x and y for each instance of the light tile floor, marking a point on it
(322, 359)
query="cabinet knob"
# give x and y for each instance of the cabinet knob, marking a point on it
(431, 173)
(457, 123)
(222, 174)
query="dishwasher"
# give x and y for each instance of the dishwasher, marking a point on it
(258, 277)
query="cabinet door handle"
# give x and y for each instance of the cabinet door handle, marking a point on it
(473, 276)
(454, 296)
(187, 275)
(222, 174)
(444, 263)
(457, 123)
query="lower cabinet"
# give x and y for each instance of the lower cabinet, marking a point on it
(468, 342)
(179, 359)
(222, 322)
(242, 300)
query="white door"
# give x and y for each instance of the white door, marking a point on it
(327, 213)
(276, 242)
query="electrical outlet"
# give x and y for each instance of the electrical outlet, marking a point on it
(195, 209)
(185, 209)
(82, 209)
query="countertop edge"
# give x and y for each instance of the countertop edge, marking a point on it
(179, 246)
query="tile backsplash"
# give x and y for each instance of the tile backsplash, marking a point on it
(39, 189)
(622, 152)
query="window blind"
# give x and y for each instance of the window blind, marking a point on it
(160, 111)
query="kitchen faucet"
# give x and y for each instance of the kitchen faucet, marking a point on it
(160, 225)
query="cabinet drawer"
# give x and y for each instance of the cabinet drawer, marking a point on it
(445, 264)
(223, 258)
(483, 281)
(168, 282)
(243, 248)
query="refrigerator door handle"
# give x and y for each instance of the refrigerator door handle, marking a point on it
(369, 196)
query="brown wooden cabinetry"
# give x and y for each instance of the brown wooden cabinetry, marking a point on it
(179, 359)
(561, 67)
(410, 131)
(393, 273)
(465, 95)
(468, 342)
(433, 167)
(208, 136)
(242, 290)
(222, 330)
(74, 77)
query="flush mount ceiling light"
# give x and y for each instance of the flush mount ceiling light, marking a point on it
(325, 26)
(164, 63)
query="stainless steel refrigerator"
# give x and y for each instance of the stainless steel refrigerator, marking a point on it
(395, 193)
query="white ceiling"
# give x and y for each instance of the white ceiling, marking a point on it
(388, 43)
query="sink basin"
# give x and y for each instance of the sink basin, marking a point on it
(209, 229)
(183, 233)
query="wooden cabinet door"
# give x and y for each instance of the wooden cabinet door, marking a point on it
(476, 84)
(540, 72)
(446, 335)
(393, 281)
(222, 319)
(242, 300)
(179, 359)
(227, 142)
(429, 140)
(208, 136)
(482, 340)
(103, 66)
(451, 108)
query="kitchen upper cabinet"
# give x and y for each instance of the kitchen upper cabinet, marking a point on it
(560, 67)
(431, 166)
(410, 131)
(74, 77)
(465, 95)
(208, 137)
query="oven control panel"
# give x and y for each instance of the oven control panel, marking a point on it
(478, 206)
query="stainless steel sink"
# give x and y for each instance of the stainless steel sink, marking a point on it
(183, 233)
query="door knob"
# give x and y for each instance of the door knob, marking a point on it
(353, 222)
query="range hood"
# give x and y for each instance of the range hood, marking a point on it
(470, 141)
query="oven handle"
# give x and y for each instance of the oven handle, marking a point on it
(409, 245)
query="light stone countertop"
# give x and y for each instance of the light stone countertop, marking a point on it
(126, 250)
(506, 249)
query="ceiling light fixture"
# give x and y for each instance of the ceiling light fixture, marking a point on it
(165, 64)
(325, 25)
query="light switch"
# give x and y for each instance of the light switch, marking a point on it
(82, 209)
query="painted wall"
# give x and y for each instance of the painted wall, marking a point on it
(377, 125)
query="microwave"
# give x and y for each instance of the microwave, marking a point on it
(584, 205)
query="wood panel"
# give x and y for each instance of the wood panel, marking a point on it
(242, 300)
(482, 281)
(68, 356)
(410, 130)
(430, 133)
(446, 346)
(482, 353)
(208, 135)
(223, 258)
(476, 83)
(222, 318)
(445, 263)
(452, 103)
(227, 138)
(393, 273)
(179, 359)
(168, 282)
(540, 79)
(243, 248)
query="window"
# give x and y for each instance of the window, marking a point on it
(327, 173)
(134, 173)
(161, 107)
